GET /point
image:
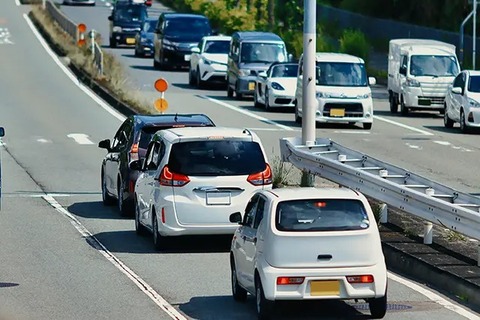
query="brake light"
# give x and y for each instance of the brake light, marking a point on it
(261, 178)
(163, 215)
(134, 152)
(290, 280)
(131, 186)
(360, 279)
(168, 178)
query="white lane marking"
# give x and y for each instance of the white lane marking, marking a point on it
(17, 2)
(446, 143)
(80, 138)
(72, 77)
(353, 131)
(248, 113)
(270, 129)
(412, 146)
(462, 149)
(149, 291)
(5, 36)
(404, 126)
(41, 140)
(434, 297)
(443, 143)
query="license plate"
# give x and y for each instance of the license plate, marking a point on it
(325, 288)
(251, 86)
(424, 102)
(130, 40)
(187, 57)
(337, 112)
(219, 198)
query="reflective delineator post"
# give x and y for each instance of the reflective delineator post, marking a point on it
(383, 213)
(427, 233)
(309, 102)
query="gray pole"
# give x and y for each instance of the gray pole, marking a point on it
(462, 27)
(474, 53)
(309, 101)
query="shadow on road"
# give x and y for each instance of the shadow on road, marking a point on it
(412, 114)
(96, 210)
(226, 308)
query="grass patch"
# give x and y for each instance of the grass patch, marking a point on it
(281, 172)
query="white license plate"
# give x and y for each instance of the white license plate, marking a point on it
(219, 198)
(187, 57)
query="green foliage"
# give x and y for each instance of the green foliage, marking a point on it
(354, 42)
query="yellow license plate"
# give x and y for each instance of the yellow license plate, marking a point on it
(325, 288)
(337, 112)
(130, 40)
(251, 86)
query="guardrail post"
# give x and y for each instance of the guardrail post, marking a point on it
(383, 213)
(92, 37)
(44, 5)
(427, 232)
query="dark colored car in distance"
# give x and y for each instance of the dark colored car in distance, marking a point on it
(144, 39)
(175, 36)
(130, 143)
(126, 21)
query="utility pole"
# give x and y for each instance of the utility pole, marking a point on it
(474, 53)
(309, 101)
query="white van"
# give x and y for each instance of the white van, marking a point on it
(342, 90)
(419, 73)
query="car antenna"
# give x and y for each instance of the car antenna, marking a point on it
(247, 131)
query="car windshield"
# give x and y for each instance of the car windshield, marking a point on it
(474, 84)
(130, 13)
(218, 46)
(321, 215)
(285, 71)
(252, 52)
(188, 26)
(435, 66)
(216, 158)
(342, 74)
(150, 26)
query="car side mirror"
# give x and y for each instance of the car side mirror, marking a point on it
(2, 131)
(457, 90)
(195, 50)
(236, 218)
(104, 144)
(136, 165)
(262, 74)
(290, 57)
(110, 18)
(372, 81)
(403, 70)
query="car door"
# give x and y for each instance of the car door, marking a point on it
(112, 159)
(158, 38)
(195, 57)
(459, 98)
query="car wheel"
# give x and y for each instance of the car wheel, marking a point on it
(113, 43)
(256, 104)
(264, 306)
(137, 54)
(158, 240)
(200, 82)
(298, 118)
(267, 101)
(448, 123)
(106, 198)
(238, 95)
(122, 203)
(229, 90)
(239, 293)
(367, 125)
(403, 107)
(378, 307)
(139, 228)
(190, 78)
(393, 104)
(463, 125)
(156, 65)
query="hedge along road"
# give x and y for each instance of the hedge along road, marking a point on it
(47, 259)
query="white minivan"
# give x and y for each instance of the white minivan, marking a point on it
(343, 91)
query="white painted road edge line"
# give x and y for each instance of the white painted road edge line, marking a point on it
(149, 291)
(403, 126)
(434, 297)
(17, 2)
(248, 113)
(72, 77)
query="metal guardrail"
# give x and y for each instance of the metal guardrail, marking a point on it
(392, 185)
(66, 24)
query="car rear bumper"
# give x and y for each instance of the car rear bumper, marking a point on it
(177, 57)
(343, 289)
(352, 110)
(124, 38)
(246, 85)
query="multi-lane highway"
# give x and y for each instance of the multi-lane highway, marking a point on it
(65, 256)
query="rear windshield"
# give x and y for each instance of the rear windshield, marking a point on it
(321, 215)
(216, 158)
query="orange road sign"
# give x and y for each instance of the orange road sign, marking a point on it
(161, 104)
(161, 85)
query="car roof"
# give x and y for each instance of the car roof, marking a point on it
(220, 38)
(173, 15)
(257, 36)
(206, 132)
(336, 57)
(295, 193)
(473, 72)
(171, 119)
(283, 63)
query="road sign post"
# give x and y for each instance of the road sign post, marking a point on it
(81, 29)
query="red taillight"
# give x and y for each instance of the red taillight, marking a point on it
(131, 186)
(368, 278)
(168, 178)
(134, 152)
(163, 215)
(289, 280)
(261, 178)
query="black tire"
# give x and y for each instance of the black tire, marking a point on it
(393, 104)
(256, 104)
(238, 95)
(367, 125)
(190, 78)
(156, 65)
(158, 240)
(200, 82)
(403, 107)
(378, 307)
(107, 199)
(139, 228)
(463, 125)
(239, 294)
(298, 118)
(123, 206)
(447, 122)
(267, 101)
(229, 90)
(264, 306)
(113, 43)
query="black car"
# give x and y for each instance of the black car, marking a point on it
(130, 143)
(126, 21)
(175, 36)
(144, 39)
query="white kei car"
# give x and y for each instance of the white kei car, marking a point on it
(192, 179)
(462, 103)
(208, 62)
(276, 87)
(308, 244)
